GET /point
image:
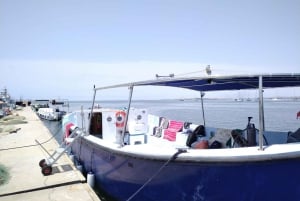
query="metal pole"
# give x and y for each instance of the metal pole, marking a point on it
(261, 113)
(82, 119)
(203, 116)
(127, 113)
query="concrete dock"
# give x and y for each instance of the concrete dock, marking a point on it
(20, 154)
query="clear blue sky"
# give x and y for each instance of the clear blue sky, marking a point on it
(61, 48)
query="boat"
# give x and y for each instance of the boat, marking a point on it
(6, 103)
(52, 110)
(239, 100)
(51, 114)
(135, 155)
(2, 113)
(39, 103)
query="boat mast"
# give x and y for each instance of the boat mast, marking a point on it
(261, 113)
(127, 113)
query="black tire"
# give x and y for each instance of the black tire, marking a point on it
(42, 163)
(46, 170)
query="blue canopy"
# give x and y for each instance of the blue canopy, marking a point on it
(215, 83)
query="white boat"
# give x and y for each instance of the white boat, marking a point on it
(6, 103)
(39, 103)
(152, 158)
(51, 114)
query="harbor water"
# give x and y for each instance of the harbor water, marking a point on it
(280, 115)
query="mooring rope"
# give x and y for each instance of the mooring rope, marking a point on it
(180, 151)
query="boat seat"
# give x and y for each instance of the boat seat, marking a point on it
(163, 124)
(173, 128)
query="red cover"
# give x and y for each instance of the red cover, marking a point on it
(174, 127)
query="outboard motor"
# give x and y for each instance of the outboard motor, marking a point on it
(251, 133)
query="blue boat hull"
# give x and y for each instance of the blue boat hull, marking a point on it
(121, 175)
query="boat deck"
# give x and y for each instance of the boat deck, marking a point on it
(157, 148)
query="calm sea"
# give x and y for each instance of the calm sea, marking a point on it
(279, 115)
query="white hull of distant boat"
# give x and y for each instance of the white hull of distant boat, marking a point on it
(50, 114)
(135, 162)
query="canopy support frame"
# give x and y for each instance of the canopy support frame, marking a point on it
(261, 114)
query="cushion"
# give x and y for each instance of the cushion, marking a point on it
(171, 131)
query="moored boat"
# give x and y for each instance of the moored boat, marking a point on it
(6, 103)
(39, 103)
(51, 114)
(50, 110)
(139, 156)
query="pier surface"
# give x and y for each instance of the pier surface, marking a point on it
(20, 154)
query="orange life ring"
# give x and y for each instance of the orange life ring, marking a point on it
(120, 118)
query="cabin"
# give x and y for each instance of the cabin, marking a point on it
(108, 124)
